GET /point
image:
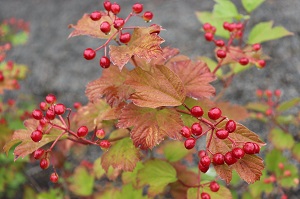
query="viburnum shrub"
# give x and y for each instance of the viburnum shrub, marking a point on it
(153, 108)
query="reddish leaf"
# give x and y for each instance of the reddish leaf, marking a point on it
(224, 172)
(111, 85)
(155, 88)
(150, 126)
(86, 26)
(233, 111)
(144, 43)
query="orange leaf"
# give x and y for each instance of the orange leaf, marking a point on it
(233, 111)
(224, 172)
(155, 88)
(150, 126)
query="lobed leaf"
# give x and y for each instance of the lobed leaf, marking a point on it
(260, 187)
(81, 182)
(251, 5)
(233, 111)
(225, 9)
(280, 139)
(131, 176)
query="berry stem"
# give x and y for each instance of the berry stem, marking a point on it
(63, 121)
(218, 66)
(210, 138)
(183, 111)
(105, 44)
(55, 141)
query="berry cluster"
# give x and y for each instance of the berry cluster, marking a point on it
(242, 56)
(112, 10)
(9, 76)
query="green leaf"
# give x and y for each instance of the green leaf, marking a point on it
(273, 158)
(286, 119)
(51, 194)
(131, 177)
(296, 151)
(98, 171)
(238, 68)
(292, 180)
(157, 174)
(260, 187)
(225, 9)
(175, 151)
(128, 192)
(251, 5)
(222, 193)
(264, 32)
(280, 139)
(257, 106)
(212, 65)
(19, 38)
(81, 182)
(288, 104)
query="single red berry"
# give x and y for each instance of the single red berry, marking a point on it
(89, 54)
(207, 27)
(95, 16)
(205, 161)
(148, 16)
(214, 186)
(189, 143)
(259, 93)
(44, 163)
(77, 105)
(50, 99)
(137, 8)
(104, 62)
(221, 53)
(256, 47)
(37, 154)
(287, 173)
(11, 102)
(100, 133)
(261, 63)
(257, 148)
(197, 111)
(36, 135)
(44, 121)
(196, 129)
(269, 112)
(119, 23)
(284, 196)
(50, 114)
(185, 132)
(214, 113)
(244, 61)
(226, 25)
(249, 148)
(239, 26)
(43, 106)
(125, 37)
(82, 131)
(230, 126)
(220, 43)
(231, 27)
(268, 93)
(1, 77)
(205, 195)
(59, 109)
(209, 36)
(222, 134)
(238, 153)
(229, 159)
(105, 144)
(202, 153)
(107, 5)
(218, 159)
(277, 93)
(202, 168)
(54, 177)
(37, 114)
(105, 27)
(213, 29)
(115, 8)
(280, 165)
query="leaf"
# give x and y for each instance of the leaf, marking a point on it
(212, 64)
(291, 181)
(280, 139)
(81, 182)
(157, 174)
(98, 171)
(225, 9)
(25, 144)
(273, 158)
(222, 193)
(251, 5)
(288, 104)
(144, 43)
(233, 111)
(259, 187)
(129, 192)
(257, 106)
(150, 126)
(131, 176)
(296, 151)
(122, 155)
(175, 151)
(195, 76)
(155, 88)
(111, 85)
(19, 38)
(264, 32)
(224, 172)
(86, 26)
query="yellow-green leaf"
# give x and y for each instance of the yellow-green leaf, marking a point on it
(223, 192)
(296, 151)
(81, 182)
(225, 9)
(280, 139)
(175, 151)
(251, 5)
(288, 104)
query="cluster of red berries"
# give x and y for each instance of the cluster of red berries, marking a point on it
(118, 23)
(236, 30)
(10, 75)
(17, 24)
(270, 98)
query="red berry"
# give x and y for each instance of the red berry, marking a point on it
(205, 195)
(44, 121)
(202, 168)
(231, 27)
(226, 25)
(89, 54)
(119, 23)
(222, 134)
(230, 126)
(50, 114)
(37, 114)
(1, 76)
(59, 109)
(277, 93)
(214, 186)
(197, 111)
(190, 143)
(125, 37)
(221, 53)
(104, 62)
(256, 47)
(269, 112)
(137, 8)
(82, 131)
(107, 5)
(259, 93)
(196, 129)
(239, 26)
(100, 133)
(220, 43)
(38, 153)
(43, 106)
(77, 105)
(214, 113)
(229, 159)
(115, 8)
(36, 135)
(54, 177)
(249, 148)
(257, 148)
(205, 161)
(207, 27)
(148, 16)
(268, 93)
(185, 132)
(244, 61)
(104, 144)
(238, 153)
(50, 99)
(44, 163)
(105, 27)
(284, 196)
(202, 153)
(209, 36)
(261, 63)
(95, 16)
(218, 159)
